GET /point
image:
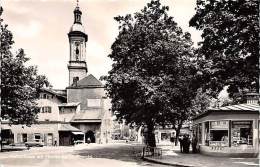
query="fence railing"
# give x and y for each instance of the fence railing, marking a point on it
(152, 152)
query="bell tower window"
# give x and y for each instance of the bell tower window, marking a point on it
(75, 81)
(77, 51)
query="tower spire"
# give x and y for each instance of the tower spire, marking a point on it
(77, 39)
(77, 14)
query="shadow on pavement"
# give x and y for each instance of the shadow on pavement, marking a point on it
(123, 152)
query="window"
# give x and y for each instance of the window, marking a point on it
(45, 96)
(46, 109)
(165, 136)
(207, 134)
(24, 137)
(37, 136)
(94, 102)
(218, 133)
(66, 110)
(200, 133)
(61, 109)
(242, 133)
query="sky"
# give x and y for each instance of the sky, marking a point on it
(40, 27)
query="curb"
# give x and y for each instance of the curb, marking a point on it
(163, 163)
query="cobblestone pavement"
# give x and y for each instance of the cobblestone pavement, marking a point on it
(93, 155)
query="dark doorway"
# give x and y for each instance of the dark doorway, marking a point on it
(90, 135)
(24, 136)
(7, 136)
(65, 138)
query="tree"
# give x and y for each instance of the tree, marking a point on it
(20, 84)
(153, 68)
(230, 45)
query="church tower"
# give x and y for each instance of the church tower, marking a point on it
(77, 39)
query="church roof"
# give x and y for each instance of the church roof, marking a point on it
(89, 81)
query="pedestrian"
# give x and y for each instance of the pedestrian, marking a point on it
(88, 140)
(186, 144)
(55, 141)
(172, 140)
(194, 144)
(181, 143)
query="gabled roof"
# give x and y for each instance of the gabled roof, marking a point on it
(89, 81)
(239, 108)
(53, 92)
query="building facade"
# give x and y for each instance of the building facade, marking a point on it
(78, 114)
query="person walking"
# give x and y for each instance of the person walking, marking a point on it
(194, 144)
(55, 141)
(186, 144)
(181, 143)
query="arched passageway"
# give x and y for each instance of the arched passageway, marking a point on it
(90, 135)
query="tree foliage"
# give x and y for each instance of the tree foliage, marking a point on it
(151, 81)
(20, 84)
(230, 45)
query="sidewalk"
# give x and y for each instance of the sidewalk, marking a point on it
(172, 156)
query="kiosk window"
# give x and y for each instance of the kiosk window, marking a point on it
(242, 133)
(219, 133)
(200, 133)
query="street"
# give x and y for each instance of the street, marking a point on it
(94, 155)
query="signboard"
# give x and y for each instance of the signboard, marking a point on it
(94, 102)
(241, 122)
(219, 124)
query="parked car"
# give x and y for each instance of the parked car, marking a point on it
(78, 142)
(35, 143)
(15, 147)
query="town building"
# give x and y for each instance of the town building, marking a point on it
(231, 130)
(78, 114)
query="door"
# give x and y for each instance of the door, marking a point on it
(50, 139)
(24, 137)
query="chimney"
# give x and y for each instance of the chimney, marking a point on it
(252, 98)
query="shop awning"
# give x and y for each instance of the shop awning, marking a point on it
(78, 133)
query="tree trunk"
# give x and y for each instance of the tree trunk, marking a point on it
(178, 129)
(150, 135)
(177, 136)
